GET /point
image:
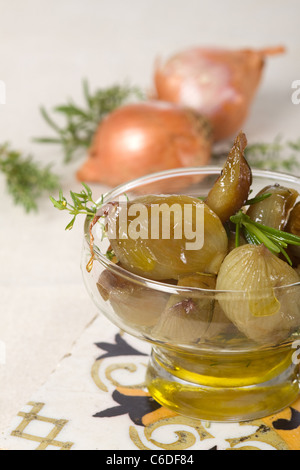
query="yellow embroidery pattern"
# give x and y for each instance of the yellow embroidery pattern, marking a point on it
(44, 442)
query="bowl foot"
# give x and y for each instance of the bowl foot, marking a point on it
(217, 403)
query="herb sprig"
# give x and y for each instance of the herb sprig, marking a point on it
(82, 203)
(255, 233)
(26, 179)
(81, 122)
(278, 155)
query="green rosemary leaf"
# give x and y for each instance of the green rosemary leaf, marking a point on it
(49, 140)
(75, 198)
(71, 110)
(278, 155)
(26, 179)
(58, 204)
(262, 237)
(278, 240)
(88, 191)
(49, 120)
(257, 199)
(250, 237)
(80, 204)
(285, 255)
(86, 92)
(71, 223)
(274, 155)
(285, 236)
(237, 234)
(255, 233)
(294, 145)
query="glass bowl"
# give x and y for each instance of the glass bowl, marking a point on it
(201, 365)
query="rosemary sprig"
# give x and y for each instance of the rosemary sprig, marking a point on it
(275, 240)
(278, 155)
(82, 203)
(26, 179)
(81, 122)
(257, 199)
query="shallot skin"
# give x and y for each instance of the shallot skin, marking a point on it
(218, 83)
(141, 138)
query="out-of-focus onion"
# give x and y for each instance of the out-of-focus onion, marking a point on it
(142, 138)
(220, 84)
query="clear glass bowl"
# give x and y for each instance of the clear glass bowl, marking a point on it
(199, 367)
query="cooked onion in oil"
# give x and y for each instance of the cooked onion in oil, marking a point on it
(255, 302)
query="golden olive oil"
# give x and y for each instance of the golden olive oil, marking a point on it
(229, 387)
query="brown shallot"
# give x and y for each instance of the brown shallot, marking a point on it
(141, 138)
(218, 83)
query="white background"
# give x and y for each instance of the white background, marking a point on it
(46, 49)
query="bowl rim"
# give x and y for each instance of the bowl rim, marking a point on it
(158, 176)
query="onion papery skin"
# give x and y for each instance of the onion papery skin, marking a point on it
(218, 83)
(142, 138)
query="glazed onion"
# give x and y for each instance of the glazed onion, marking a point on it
(141, 138)
(192, 317)
(218, 83)
(168, 257)
(133, 302)
(275, 209)
(261, 299)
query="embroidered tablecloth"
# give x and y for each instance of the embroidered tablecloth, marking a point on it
(96, 400)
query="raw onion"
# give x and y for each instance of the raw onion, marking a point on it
(218, 83)
(141, 138)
